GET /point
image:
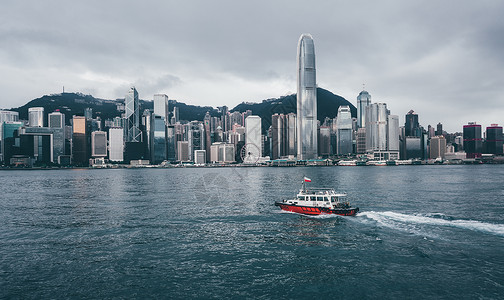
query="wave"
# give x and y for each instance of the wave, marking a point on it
(398, 221)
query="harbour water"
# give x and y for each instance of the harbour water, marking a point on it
(423, 232)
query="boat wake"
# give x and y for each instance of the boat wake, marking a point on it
(411, 223)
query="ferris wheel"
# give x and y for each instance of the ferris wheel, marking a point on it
(250, 154)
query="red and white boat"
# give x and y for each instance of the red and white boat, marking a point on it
(316, 201)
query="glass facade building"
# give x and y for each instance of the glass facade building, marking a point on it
(306, 99)
(363, 100)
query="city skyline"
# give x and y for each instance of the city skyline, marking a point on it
(442, 60)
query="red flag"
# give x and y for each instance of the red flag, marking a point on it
(306, 179)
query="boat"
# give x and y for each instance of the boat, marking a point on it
(347, 163)
(316, 201)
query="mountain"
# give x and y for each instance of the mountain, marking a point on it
(72, 104)
(327, 106)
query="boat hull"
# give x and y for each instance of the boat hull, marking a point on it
(310, 210)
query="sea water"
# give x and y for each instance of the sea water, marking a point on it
(422, 232)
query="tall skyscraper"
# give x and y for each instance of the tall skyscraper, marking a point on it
(437, 147)
(306, 99)
(116, 144)
(80, 141)
(344, 131)
(132, 115)
(382, 132)
(494, 139)
(56, 120)
(412, 127)
(472, 140)
(291, 134)
(253, 139)
(278, 136)
(36, 117)
(161, 106)
(363, 100)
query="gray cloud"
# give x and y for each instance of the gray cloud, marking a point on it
(442, 59)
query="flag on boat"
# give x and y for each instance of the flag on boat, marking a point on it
(306, 179)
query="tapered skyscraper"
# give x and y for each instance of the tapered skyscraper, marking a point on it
(306, 99)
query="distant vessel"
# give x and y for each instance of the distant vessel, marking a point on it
(376, 163)
(347, 163)
(316, 201)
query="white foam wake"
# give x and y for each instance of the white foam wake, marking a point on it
(397, 220)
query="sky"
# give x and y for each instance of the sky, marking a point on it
(442, 59)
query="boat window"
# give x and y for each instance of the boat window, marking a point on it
(300, 197)
(334, 199)
(320, 198)
(313, 198)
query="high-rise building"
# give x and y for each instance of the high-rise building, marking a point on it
(344, 131)
(253, 139)
(324, 141)
(306, 99)
(132, 116)
(88, 113)
(159, 144)
(6, 116)
(494, 139)
(10, 132)
(472, 140)
(439, 129)
(278, 136)
(361, 141)
(363, 100)
(175, 118)
(437, 147)
(381, 140)
(412, 127)
(116, 144)
(161, 106)
(183, 151)
(56, 120)
(195, 137)
(291, 134)
(200, 157)
(98, 144)
(80, 141)
(36, 117)
(222, 153)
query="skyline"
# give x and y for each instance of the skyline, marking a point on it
(441, 60)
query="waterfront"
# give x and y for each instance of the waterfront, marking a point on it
(423, 232)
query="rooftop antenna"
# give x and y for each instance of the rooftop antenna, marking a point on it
(363, 86)
(63, 89)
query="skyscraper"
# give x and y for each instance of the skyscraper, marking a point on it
(363, 100)
(98, 144)
(437, 147)
(161, 106)
(116, 144)
(306, 99)
(80, 141)
(253, 141)
(344, 130)
(494, 139)
(382, 132)
(472, 140)
(56, 120)
(36, 117)
(412, 127)
(132, 130)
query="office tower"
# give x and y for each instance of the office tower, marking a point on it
(175, 118)
(207, 125)
(222, 153)
(6, 116)
(393, 134)
(306, 99)
(324, 141)
(363, 100)
(132, 116)
(88, 113)
(472, 140)
(494, 139)
(44, 144)
(161, 106)
(183, 151)
(195, 137)
(116, 144)
(36, 117)
(412, 127)
(236, 118)
(278, 136)
(253, 139)
(291, 134)
(171, 143)
(200, 157)
(437, 147)
(344, 131)
(361, 141)
(439, 130)
(80, 141)
(56, 120)
(147, 129)
(159, 144)
(9, 146)
(381, 140)
(98, 144)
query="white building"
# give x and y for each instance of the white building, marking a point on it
(253, 139)
(116, 144)
(199, 157)
(161, 106)
(36, 117)
(382, 133)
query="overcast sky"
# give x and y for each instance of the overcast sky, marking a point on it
(443, 59)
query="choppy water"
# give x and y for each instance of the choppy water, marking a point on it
(423, 232)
